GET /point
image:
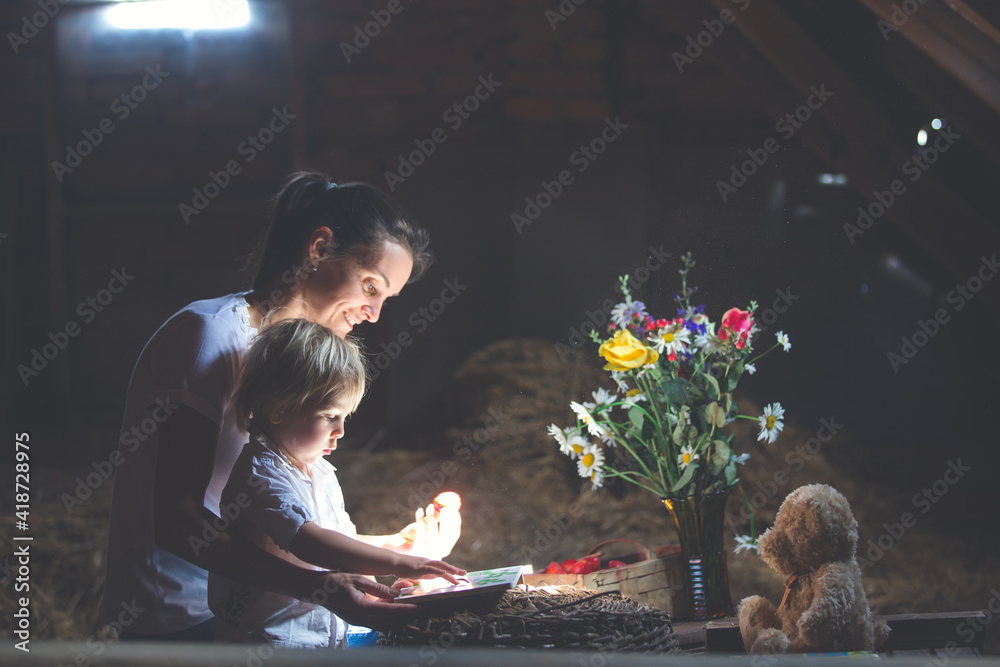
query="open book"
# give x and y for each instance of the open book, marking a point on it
(473, 583)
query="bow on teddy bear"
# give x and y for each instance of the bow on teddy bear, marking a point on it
(824, 609)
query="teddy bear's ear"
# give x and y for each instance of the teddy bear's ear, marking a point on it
(813, 526)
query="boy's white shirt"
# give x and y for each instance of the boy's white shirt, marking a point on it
(270, 493)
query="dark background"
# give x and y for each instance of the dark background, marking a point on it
(655, 185)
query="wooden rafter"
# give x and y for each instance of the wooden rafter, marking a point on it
(951, 34)
(933, 215)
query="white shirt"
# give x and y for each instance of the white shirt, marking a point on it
(269, 493)
(191, 360)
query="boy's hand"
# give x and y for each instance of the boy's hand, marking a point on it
(433, 534)
(425, 568)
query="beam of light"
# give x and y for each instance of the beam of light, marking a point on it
(922, 137)
(179, 14)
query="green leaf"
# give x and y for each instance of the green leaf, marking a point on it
(714, 414)
(734, 375)
(679, 391)
(685, 478)
(678, 433)
(709, 385)
(699, 418)
(720, 456)
(637, 417)
(730, 473)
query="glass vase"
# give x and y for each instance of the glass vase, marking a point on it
(700, 521)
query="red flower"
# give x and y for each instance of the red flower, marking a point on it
(737, 320)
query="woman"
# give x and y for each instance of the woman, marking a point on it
(331, 254)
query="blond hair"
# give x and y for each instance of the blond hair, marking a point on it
(297, 364)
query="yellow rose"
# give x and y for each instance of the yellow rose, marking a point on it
(625, 352)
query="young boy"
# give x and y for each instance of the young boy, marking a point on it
(298, 383)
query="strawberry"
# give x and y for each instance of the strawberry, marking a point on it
(615, 564)
(568, 563)
(554, 568)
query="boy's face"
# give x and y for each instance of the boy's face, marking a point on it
(308, 434)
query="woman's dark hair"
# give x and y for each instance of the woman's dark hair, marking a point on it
(360, 216)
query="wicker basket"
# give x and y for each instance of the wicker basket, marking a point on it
(563, 618)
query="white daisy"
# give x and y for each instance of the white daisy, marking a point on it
(687, 456)
(746, 543)
(576, 444)
(620, 313)
(632, 397)
(742, 458)
(671, 339)
(596, 478)
(708, 343)
(560, 437)
(602, 397)
(581, 412)
(750, 368)
(591, 461)
(770, 422)
(786, 345)
(619, 378)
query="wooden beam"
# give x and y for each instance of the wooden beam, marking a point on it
(967, 50)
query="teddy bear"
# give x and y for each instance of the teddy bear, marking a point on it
(824, 608)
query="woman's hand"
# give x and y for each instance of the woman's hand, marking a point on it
(433, 533)
(361, 601)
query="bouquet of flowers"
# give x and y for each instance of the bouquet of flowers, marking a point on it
(675, 380)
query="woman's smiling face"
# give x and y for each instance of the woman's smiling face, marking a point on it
(345, 291)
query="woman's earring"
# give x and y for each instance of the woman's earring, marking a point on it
(315, 267)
